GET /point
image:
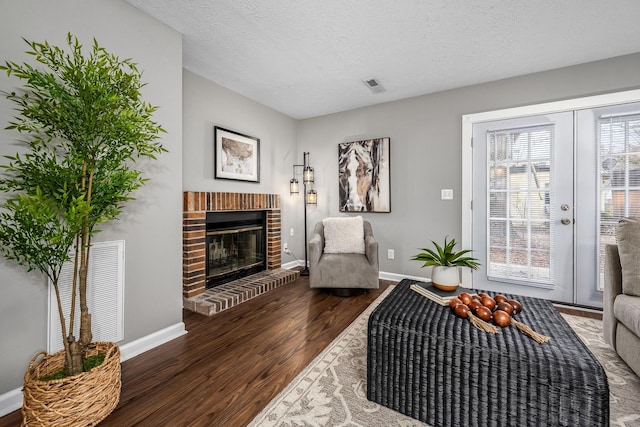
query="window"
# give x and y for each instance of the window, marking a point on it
(619, 150)
(519, 237)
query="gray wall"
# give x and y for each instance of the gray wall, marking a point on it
(150, 225)
(425, 137)
(205, 105)
(426, 150)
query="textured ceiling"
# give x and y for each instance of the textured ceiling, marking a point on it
(307, 58)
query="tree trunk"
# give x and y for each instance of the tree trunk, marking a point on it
(68, 358)
(85, 317)
(75, 367)
(86, 335)
(85, 329)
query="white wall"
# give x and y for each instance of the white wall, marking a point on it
(426, 150)
(150, 225)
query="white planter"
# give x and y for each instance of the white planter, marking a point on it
(445, 278)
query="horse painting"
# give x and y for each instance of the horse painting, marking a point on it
(364, 176)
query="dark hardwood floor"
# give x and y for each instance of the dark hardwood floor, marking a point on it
(229, 366)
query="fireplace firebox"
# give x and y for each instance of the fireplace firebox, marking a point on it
(236, 245)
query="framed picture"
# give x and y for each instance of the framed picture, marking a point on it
(364, 176)
(237, 156)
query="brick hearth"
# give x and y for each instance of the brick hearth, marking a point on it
(196, 204)
(230, 294)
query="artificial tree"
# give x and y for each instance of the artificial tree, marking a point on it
(84, 126)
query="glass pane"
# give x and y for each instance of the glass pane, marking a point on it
(519, 177)
(633, 204)
(249, 248)
(634, 170)
(539, 207)
(612, 137)
(497, 262)
(497, 144)
(540, 175)
(518, 234)
(518, 263)
(540, 236)
(498, 255)
(633, 133)
(618, 203)
(497, 205)
(519, 145)
(541, 265)
(608, 232)
(541, 144)
(634, 177)
(519, 205)
(619, 175)
(541, 260)
(607, 207)
(498, 177)
(498, 233)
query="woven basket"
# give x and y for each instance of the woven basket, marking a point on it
(81, 400)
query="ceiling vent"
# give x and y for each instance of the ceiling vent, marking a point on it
(374, 85)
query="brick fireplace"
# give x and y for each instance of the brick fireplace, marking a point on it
(196, 204)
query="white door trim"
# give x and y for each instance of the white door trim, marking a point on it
(468, 120)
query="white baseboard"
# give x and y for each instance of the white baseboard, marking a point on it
(146, 343)
(291, 264)
(395, 277)
(12, 400)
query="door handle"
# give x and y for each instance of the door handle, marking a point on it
(565, 221)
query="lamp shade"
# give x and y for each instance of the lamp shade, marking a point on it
(308, 175)
(312, 197)
(294, 188)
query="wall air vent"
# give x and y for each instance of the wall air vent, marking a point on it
(374, 85)
(105, 296)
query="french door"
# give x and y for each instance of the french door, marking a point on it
(523, 227)
(547, 193)
(616, 186)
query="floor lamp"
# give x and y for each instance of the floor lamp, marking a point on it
(310, 198)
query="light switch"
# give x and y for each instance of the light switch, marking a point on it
(446, 194)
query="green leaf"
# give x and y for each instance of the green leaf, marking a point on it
(81, 120)
(446, 256)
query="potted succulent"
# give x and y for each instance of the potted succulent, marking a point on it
(83, 125)
(446, 264)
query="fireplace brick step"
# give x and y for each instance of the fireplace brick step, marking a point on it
(228, 295)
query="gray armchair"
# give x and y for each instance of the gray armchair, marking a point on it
(343, 273)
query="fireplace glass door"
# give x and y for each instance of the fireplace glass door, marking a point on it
(234, 253)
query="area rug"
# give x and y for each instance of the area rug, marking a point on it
(331, 390)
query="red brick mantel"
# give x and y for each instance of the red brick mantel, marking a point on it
(196, 204)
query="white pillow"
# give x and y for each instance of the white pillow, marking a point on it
(343, 235)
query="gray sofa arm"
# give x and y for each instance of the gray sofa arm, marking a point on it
(316, 246)
(612, 288)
